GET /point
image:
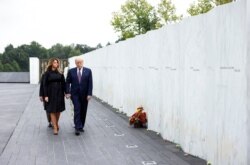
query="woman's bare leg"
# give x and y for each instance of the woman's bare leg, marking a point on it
(57, 119)
(54, 121)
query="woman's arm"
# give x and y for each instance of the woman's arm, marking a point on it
(63, 84)
(45, 86)
(68, 82)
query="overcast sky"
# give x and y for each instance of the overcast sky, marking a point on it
(62, 21)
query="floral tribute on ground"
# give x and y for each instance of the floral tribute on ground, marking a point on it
(139, 118)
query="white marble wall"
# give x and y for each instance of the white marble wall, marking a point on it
(191, 79)
(247, 3)
(34, 70)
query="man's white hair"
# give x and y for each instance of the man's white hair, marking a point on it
(79, 58)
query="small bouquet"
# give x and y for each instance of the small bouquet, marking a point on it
(139, 118)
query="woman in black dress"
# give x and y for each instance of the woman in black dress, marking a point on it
(54, 91)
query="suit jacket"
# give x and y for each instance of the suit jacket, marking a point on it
(83, 88)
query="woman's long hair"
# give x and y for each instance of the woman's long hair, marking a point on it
(49, 67)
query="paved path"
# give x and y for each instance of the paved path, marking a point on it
(13, 100)
(107, 140)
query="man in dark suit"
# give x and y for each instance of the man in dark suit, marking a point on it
(41, 95)
(79, 88)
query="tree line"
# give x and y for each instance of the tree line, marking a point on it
(138, 16)
(17, 59)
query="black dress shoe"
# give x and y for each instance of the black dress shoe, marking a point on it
(77, 132)
(81, 130)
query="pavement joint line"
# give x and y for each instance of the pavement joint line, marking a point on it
(131, 146)
(119, 135)
(149, 163)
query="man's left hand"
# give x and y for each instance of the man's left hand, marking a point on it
(88, 98)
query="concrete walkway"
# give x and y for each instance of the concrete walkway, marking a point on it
(13, 100)
(107, 140)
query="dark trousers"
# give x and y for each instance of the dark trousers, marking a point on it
(47, 114)
(80, 110)
(48, 117)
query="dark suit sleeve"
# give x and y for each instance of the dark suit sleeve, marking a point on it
(68, 82)
(90, 88)
(41, 91)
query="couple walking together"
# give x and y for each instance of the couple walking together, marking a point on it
(54, 88)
